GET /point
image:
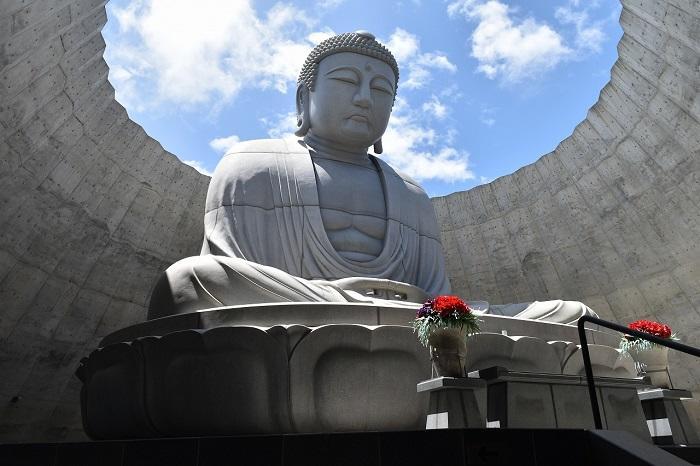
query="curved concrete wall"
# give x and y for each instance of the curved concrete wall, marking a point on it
(612, 216)
(91, 208)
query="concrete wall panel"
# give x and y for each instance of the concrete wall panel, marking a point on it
(91, 208)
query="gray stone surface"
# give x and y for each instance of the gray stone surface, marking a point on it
(342, 377)
(455, 403)
(355, 378)
(254, 380)
(552, 339)
(623, 410)
(92, 209)
(612, 216)
(295, 367)
(546, 400)
(572, 406)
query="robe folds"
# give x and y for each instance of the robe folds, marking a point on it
(264, 242)
(263, 207)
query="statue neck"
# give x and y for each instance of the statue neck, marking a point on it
(326, 149)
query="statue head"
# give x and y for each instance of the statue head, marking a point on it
(346, 90)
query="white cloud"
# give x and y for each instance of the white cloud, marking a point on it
(330, 4)
(281, 126)
(209, 53)
(197, 165)
(436, 60)
(128, 73)
(222, 145)
(406, 49)
(403, 45)
(435, 108)
(319, 36)
(508, 49)
(514, 49)
(126, 17)
(170, 52)
(420, 151)
(486, 116)
(589, 35)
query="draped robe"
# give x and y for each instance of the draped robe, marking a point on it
(264, 241)
(263, 206)
(264, 238)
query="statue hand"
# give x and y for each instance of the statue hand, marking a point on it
(383, 289)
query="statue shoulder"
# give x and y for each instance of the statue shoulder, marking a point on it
(265, 146)
(243, 174)
(255, 155)
(411, 184)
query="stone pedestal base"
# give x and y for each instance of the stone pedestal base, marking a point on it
(278, 368)
(244, 379)
(455, 403)
(527, 400)
(667, 419)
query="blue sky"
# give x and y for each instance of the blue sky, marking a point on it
(486, 86)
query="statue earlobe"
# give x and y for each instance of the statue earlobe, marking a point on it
(378, 149)
(302, 110)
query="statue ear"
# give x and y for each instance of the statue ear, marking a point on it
(302, 99)
(378, 149)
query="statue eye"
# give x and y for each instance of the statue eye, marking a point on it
(382, 89)
(381, 84)
(345, 79)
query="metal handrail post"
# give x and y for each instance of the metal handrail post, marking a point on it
(589, 373)
(625, 330)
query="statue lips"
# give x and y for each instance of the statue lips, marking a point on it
(360, 118)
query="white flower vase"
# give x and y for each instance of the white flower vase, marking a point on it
(654, 363)
(448, 352)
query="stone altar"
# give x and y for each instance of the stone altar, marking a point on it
(297, 367)
(295, 317)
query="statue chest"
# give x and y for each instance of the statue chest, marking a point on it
(353, 208)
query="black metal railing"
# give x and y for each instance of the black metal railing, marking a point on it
(622, 329)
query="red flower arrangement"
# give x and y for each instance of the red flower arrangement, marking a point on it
(647, 326)
(442, 312)
(447, 305)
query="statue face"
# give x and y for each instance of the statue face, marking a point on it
(352, 99)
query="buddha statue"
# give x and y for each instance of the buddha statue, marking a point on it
(294, 317)
(321, 219)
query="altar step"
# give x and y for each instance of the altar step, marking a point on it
(448, 447)
(689, 453)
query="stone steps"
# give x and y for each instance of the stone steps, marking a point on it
(449, 447)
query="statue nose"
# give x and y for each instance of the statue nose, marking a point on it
(363, 97)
